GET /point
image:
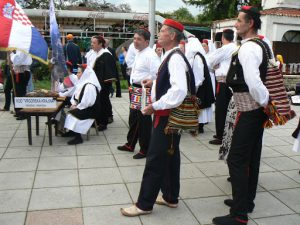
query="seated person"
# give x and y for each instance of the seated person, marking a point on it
(84, 106)
(67, 87)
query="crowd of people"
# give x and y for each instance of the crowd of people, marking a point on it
(228, 81)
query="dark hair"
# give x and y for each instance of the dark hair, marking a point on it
(252, 13)
(125, 48)
(144, 33)
(100, 40)
(69, 67)
(179, 34)
(228, 34)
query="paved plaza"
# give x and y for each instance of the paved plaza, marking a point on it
(87, 184)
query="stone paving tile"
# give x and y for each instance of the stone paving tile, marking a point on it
(99, 176)
(282, 163)
(296, 158)
(265, 168)
(20, 142)
(269, 152)
(132, 173)
(267, 205)
(2, 150)
(16, 180)
(225, 186)
(56, 163)
(96, 161)
(116, 139)
(294, 174)
(134, 190)
(126, 160)
(290, 197)
(98, 195)
(12, 218)
(56, 178)
(188, 171)
(218, 168)
(200, 187)
(285, 150)
(13, 165)
(163, 215)
(54, 198)
(90, 150)
(280, 220)
(68, 150)
(55, 217)
(99, 140)
(5, 142)
(201, 156)
(7, 134)
(22, 152)
(104, 215)
(14, 200)
(273, 141)
(276, 180)
(205, 209)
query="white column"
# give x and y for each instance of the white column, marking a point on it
(152, 21)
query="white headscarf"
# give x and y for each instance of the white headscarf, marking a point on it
(193, 46)
(88, 76)
(211, 46)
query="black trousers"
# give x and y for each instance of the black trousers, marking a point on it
(8, 86)
(139, 129)
(21, 82)
(105, 104)
(223, 96)
(244, 160)
(162, 170)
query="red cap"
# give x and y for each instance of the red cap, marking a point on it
(174, 24)
(182, 42)
(158, 45)
(69, 63)
(261, 37)
(246, 7)
(205, 41)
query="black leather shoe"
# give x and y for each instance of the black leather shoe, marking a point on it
(102, 127)
(139, 155)
(228, 220)
(69, 134)
(229, 202)
(20, 118)
(216, 137)
(110, 119)
(77, 140)
(229, 179)
(125, 148)
(215, 142)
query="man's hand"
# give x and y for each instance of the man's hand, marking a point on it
(147, 83)
(148, 110)
(73, 107)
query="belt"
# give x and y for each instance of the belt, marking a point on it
(158, 114)
(136, 85)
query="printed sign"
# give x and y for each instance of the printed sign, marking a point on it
(30, 102)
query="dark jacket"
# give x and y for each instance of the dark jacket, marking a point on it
(72, 53)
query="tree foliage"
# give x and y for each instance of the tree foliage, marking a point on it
(219, 9)
(102, 5)
(182, 14)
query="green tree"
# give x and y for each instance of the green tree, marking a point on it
(183, 15)
(218, 9)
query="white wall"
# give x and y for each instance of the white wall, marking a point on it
(268, 4)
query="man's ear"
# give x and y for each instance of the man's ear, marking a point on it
(251, 23)
(172, 36)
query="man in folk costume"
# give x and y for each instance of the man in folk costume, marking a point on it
(245, 77)
(21, 69)
(219, 60)
(162, 169)
(145, 67)
(104, 65)
(195, 54)
(84, 108)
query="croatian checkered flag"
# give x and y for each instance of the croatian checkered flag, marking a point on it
(18, 33)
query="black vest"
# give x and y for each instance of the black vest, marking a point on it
(87, 113)
(163, 76)
(235, 77)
